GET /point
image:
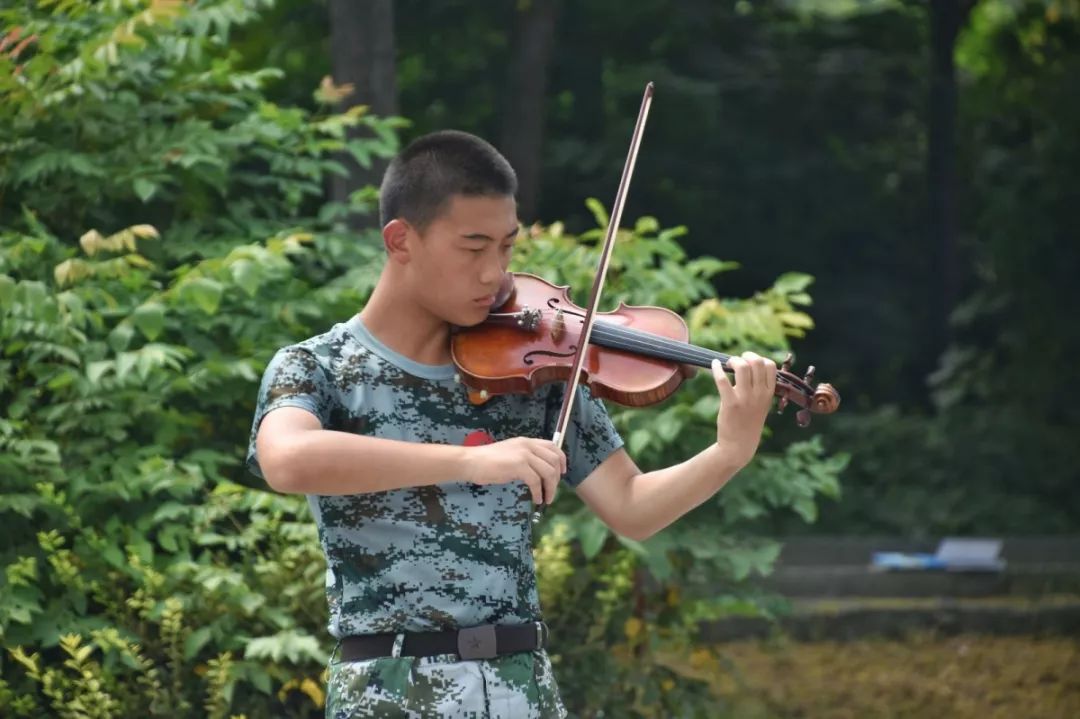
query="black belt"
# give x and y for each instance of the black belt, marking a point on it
(482, 642)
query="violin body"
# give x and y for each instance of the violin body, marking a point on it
(636, 355)
(501, 356)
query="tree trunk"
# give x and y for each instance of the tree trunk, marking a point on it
(947, 17)
(523, 128)
(362, 54)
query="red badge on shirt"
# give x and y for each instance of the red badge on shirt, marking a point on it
(477, 438)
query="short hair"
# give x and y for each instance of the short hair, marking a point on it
(422, 178)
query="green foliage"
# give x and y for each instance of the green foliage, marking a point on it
(162, 233)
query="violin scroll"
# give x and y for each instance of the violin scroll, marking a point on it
(822, 399)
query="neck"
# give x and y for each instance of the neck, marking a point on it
(405, 326)
(644, 343)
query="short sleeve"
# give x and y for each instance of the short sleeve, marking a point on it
(294, 378)
(590, 438)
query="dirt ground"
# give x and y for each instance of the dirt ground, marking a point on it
(958, 677)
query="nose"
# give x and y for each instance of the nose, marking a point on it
(493, 271)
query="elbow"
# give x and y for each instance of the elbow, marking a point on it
(640, 536)
(282, 473)
(283, 482)
(634, 532)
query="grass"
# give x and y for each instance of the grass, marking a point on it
(961, 677)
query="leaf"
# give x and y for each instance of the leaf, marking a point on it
(150, 319)
(120, 337)
(592, 534)
(145, 231)
(96, 370)
(246, 273)
(313, 691)
(791, 282)
(646, 225)
(260, 679)
(196, 641)
(91, 241)
(114, 556)
(285, 644)
(125, 363)
(638, 441)
(7, 290)
(170, 510)
(796, 319)
(598, 212)
(144, 188)
(206, 293)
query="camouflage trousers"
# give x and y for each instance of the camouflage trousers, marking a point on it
(521, 686)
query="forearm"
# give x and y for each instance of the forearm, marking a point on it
(331, 463)
(653, 500)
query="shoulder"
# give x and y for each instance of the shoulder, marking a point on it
(326, 350)
(320, 360)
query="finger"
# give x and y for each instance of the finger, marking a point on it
(551, 483)
(560, 454)
(723, 384)
(770, 375)
(744, 377)
(554, 460)
(553, 456)
(538, 471)
(757, 368)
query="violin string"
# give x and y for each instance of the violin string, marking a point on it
(677, 350)
(667, 348)
(648, 339)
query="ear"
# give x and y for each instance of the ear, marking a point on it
(395, 239)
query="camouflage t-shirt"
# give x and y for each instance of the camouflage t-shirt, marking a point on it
(434, 557)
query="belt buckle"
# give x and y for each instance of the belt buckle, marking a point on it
(477, 642)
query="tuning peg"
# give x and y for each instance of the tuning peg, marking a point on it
(809, 378)
(786, 366)
(802, 417)
(781, 405)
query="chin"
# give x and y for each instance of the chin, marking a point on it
(470, 319)
(467, 316)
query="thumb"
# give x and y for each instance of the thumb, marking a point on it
(723, 383)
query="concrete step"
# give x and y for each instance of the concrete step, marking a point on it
(813, 550)
(853, 580)
(847, 619)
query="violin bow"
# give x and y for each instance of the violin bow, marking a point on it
(598, 280)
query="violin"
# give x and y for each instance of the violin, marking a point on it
(636, 355)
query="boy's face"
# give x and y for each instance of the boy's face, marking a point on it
(457, 263)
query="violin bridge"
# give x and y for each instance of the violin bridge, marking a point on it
(558, 327)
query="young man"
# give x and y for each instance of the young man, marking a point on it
(423, 499)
